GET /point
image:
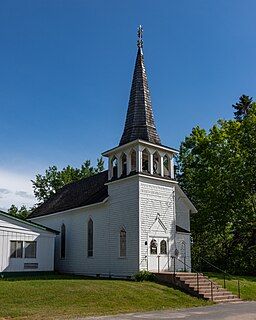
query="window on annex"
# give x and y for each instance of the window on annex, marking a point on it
(133, 161)
(145, 156)
(16, 249)
(124, 164)
(90, 239)
(122, 244)
(163, 247)
(63, 241)
(30, 249)
(182, 249)
(114, 166)
(153, 247)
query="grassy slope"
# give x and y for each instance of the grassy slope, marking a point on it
(247, 285)
(66, 298)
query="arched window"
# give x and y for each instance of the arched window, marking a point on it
(133, 161)
(114, 166)
(182, 249)
(166, 166)
(163, 247)
(145, 156)
(124, 164)
(63, 241)
(122, 244)
(153, 247)
(90, 238)
(156, 163)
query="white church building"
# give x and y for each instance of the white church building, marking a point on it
(131, 217)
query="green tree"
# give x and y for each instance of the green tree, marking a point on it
(21, 212)
(218, 172)
(242, 107)
(53, 179)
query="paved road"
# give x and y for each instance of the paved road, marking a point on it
(227, 311)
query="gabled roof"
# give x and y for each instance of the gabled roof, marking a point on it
(80, 193)
(182, 230)
(140, 122)
(26, 222)
(186, 199)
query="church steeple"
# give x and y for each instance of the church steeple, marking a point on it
(139, 119)
(140, 151)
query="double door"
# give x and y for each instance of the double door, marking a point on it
(158, 255)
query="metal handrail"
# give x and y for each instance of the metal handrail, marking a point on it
(197, 275)
(224, 275)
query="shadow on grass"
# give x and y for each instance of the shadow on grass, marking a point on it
(57, 276)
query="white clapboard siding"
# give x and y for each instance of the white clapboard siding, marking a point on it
(156, 201)
(120, 210)
(16, 230)
(182, 211)
(133, 203)
(124, 212)
(76, 222)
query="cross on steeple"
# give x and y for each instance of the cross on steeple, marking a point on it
(140, 34)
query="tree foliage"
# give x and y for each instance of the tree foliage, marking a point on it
(21, 212)
(242, 107)
(218, 172)
(46, 185)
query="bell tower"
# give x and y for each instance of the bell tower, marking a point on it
(140, 149)
(141, 183)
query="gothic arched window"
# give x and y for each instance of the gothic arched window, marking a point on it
(182, 249)
(153, 247)
(145, 157)
(133, 161)
(166, 166)
(90, 238)
(122, 244)
(114, 167)
(63, 241)
(156, 163)
(163, 247)
(124, 164)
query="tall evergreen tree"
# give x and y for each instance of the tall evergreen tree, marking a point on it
(242, 107)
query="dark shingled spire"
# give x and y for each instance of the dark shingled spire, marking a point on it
(139, 119)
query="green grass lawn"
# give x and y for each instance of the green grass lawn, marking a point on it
(59, 297)
(247, 285)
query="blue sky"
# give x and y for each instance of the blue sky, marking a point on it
(66, 70)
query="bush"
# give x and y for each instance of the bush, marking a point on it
(144, 276)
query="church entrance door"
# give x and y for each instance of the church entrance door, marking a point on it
(158, 254)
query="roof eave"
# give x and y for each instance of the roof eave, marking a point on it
(38, 226)
(138, 141)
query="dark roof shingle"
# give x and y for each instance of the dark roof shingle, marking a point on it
(74, 195)
(140, 122)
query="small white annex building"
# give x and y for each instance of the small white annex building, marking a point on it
(133, 216)
(25, 246)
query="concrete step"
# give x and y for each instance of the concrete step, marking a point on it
(215, 292)
(218, 296)
(202, 282)
(230, 297)
(228, 300)
(200, 285)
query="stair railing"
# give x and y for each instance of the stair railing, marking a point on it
(212, 284)
(225, 273)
